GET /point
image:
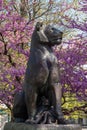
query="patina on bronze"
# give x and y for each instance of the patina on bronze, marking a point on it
(40, 100)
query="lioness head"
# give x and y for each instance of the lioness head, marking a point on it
(48, 35)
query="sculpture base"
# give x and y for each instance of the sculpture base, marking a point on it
(23, 126)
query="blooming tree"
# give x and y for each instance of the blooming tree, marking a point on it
(16, 26)
(17, 20)
(73, 55)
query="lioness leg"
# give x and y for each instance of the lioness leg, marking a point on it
(30, 99)
(55, 90)
(54, 83)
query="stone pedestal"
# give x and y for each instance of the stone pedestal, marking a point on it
(23, 126)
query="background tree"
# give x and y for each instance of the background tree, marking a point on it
(73, 59)
(16, 26)
(17, 20)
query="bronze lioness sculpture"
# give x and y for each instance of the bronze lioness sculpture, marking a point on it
(42, 77)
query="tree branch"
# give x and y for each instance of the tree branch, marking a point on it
(10, 60)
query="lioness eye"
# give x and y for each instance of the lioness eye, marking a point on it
(52, 28)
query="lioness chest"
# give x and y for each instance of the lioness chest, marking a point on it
(43, 54)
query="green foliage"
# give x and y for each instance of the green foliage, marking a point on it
(72, 107)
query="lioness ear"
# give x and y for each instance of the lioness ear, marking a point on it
(39, 25)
